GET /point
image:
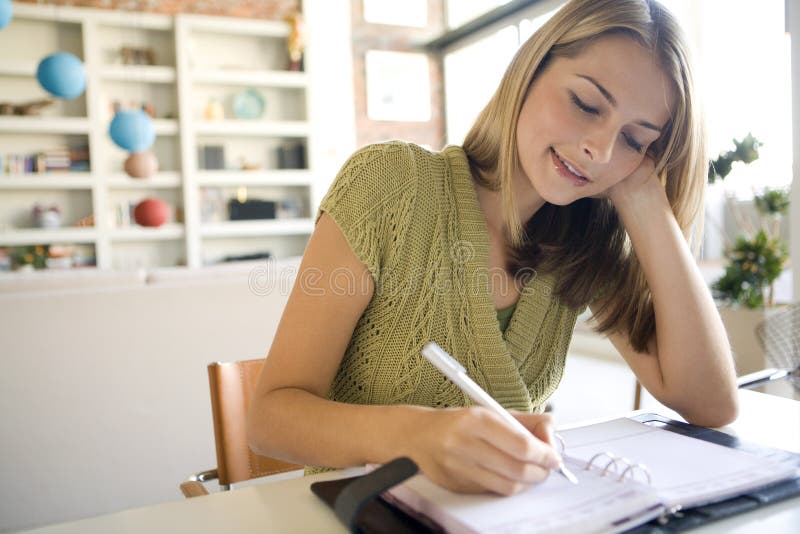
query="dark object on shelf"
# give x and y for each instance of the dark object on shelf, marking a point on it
(132, 55)
(211, 157)
(251, 209)
(25, 108)
(292, 155)
(246, 257)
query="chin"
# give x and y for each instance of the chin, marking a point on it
(557, 196)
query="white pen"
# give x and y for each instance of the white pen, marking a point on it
(458, 375)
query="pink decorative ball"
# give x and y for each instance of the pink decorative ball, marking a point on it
(141, 165)
(151, 212)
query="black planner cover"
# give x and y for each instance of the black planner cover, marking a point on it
(373, 515)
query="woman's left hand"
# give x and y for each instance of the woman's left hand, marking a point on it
(642, 181)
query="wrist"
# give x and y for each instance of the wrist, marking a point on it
(404, 434)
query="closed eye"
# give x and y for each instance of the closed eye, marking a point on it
(629, 140)
(582, 106)
(633, 143)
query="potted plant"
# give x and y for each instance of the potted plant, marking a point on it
(29, 258)
(754, 261)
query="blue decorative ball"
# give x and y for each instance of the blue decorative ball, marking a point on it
(6, 13)
(62, 74)
(132, 130)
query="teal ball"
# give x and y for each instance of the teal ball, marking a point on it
(132, 130)
(62, 75)
(6, 13)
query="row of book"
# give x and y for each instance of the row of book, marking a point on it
(74, 159)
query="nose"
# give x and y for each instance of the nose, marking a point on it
(598, 144)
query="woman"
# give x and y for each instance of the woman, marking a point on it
(593, 135)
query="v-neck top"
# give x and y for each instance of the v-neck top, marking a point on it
(412, 217)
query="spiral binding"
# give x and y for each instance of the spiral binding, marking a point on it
(609, 464)
(614, 462)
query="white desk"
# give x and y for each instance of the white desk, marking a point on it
(289, 506)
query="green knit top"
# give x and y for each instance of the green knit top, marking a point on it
(413, 218)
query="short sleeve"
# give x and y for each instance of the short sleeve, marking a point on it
(360, 200)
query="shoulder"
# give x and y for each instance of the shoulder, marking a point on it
(380, 160)
(378, 172)
(401, 160)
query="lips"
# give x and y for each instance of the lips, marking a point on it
(574, 170)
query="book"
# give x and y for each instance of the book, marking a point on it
(629, 473)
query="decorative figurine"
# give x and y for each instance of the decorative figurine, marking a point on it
(296, 42)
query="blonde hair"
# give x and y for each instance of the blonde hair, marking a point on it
(552, 240)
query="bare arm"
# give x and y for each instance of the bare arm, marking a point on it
(688, 366)
(291, 419)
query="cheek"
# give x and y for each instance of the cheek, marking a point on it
(561, 121)
(546, 120)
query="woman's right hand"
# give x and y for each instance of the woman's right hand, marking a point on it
(472, 450)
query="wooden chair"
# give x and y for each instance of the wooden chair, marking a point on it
(232, 385)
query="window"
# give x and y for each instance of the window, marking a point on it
(473, 72)
(462, 11)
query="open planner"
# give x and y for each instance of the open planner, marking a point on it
(629, 473)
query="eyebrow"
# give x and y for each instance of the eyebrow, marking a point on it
(613, 101)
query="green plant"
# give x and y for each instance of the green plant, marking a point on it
(745, 151)
(35, 255)
(754, 263)
(773, 202)
(758, 256)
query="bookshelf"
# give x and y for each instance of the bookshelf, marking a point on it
(191, 68)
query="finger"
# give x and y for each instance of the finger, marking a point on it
(540, 425)
(544, 428)
(484, 453)
(494, 482)
(525, 447)
(509, 467)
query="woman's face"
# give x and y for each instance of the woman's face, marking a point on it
(587, 121)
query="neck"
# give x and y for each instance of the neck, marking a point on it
(526, 201)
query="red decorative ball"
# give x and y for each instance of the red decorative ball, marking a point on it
(151, 212)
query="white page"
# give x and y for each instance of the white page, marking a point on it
(553, 506)
(684, 470)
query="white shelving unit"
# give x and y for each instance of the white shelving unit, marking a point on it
(52, 180)
(258, 228)
(191, 69)
(28, 236)
(56, 125)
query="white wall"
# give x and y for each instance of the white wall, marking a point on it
(105, 392)
(793, 28)
(331, 99)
